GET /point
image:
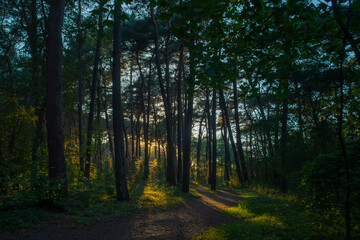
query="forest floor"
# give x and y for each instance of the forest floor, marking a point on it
(183, 221)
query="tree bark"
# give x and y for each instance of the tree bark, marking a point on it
(188, 125)
(132, 112)
(142, 104)
(109, 135)
(213, 173)
(209, 141)
(283, 141)
(198, 148)
(180, 117)
(122, 193)
(227, 153)
(34, 50)
(81, 88)
(54, 125)
(146, 127)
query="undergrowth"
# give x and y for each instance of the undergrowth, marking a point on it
(91, 198)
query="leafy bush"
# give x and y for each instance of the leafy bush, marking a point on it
(324, 180)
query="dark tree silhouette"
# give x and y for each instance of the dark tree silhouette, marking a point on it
(54, 125)
(122, 192)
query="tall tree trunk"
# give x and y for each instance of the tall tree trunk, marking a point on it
(132, 111)
(283, 140)
(233, 145)
(213, 175)
(188, 124)
(81, 88)
(54, 125)
(227, 152)
(109, 135)
(198, 149)
(146, 158)
(251, 160)
(98, 142)
(126, 145)
(266, 129)
(276, 130)
(146, 126)
(37, 140)
(122, 192)
(157, 133)
(238, 136)
(209, 141)
(34, 50)
(180, 117)
(93, 93)
(137, 130)
(171, 161)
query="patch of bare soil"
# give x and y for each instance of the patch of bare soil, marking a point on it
(181, 222)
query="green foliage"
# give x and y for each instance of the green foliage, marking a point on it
(38, 199)
(30, 204)
(22, 218)
(323, 181)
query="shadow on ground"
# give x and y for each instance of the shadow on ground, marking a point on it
(181, 222)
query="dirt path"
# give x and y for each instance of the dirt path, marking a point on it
(181, 222)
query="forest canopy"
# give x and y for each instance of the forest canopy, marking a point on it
(101, 95)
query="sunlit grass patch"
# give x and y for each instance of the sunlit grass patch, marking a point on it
(268, 215)
(214, 233)
(157, 195)
(193, 192)
(153, 197)
(239, 212)
(247, 193)
(238, 230)
(275, 194)
(267, 220)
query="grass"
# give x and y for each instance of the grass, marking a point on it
(270, 215)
